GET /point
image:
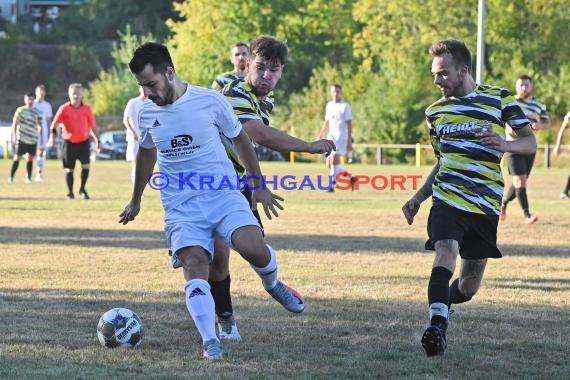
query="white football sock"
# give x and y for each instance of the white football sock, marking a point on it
(268, 274)
(439, 309)
(200, 304)
(338, 169)
(40, 164)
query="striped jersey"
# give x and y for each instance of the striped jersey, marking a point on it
(247, 106)
(533, 110)
(469, 177)
(223, 79)
(27, 120)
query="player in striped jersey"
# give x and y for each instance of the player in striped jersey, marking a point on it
(26, 125)
(467, 131)
(565, 125)
(520, 165)
(240, 59)
(252, 102)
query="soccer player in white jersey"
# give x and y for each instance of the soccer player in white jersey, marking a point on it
(47, 114)
(131, 123)
(180, 130)
(338, 127)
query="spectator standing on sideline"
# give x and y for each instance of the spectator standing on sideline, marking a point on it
(26, 126)
(47, 113)
(76, 120)
(520, 165)
(467, 132)
(131, 123)
(565, 125)
(338, 127)
(240, 59)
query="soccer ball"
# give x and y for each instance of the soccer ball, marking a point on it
(119, 327)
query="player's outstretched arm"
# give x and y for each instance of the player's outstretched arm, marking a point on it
(146, 159)
(412, 206)
(277, 140)
(260, 194)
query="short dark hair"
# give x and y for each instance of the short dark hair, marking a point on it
(30, 95)
(151, 53)
(270, 48)
(524, 77)
(337, 86)
(455, 48)
(238, 44)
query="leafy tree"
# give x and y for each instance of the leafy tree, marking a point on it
(316, 32)
(109, 93)
(94, 20)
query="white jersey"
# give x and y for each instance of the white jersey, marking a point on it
(132, 110)
(46, 110)
(186, 135)
(338, 114)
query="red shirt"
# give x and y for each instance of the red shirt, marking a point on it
(76, 122)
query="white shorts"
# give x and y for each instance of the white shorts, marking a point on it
(340, 142)
(198, 220)
(132, 150)
(43, 138)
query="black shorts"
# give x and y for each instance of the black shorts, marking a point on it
(475, 233)
(247, 194)
(520, 164)
(72, 152)
(23, 148)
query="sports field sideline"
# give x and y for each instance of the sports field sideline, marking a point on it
(361, 268)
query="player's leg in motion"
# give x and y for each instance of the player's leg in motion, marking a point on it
(434, 340)
(220, 282)
(248, 242)
(469, 281)
(196, 261)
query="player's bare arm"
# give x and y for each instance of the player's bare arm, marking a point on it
(412, 206)
(128, 122)
(146, 159)
(559, 139)
(247, 155)
(523, 141)
(281, 141)
(324, 130)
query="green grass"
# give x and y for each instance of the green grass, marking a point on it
(360, 267)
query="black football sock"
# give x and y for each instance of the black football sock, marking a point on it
(222, 298)
(15, 165)
(438, 294)
(509, 195)
(69, 180)
(523, 200)
(29, 169)
(84, 176)
(455, 295)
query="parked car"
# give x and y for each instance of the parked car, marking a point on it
(113, 146)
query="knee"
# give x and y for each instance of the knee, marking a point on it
(519, 181)
(193, 260)
(446, 252)
(469, 287)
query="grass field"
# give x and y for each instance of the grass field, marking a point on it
(361, 268)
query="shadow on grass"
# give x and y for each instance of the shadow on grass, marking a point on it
(125, 238)
(54, 331)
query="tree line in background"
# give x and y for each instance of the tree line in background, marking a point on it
(376, 49)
